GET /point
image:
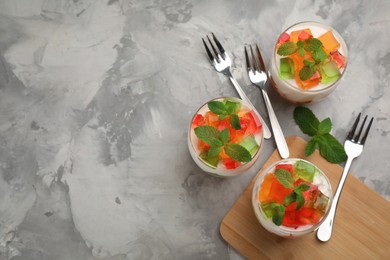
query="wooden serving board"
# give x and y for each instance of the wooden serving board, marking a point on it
(361, 229)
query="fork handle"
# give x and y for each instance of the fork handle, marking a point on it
(325, 230)
(276, 129)
(243, 96)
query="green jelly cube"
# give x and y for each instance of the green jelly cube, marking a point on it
(250, 144)
(211, 161)
(232, 106)
(286, 68)
(304, 171)
(268, 211)
(321, 203)
(329, 72)
(330, 69)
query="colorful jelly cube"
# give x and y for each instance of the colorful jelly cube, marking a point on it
(329, 72)
(286, 68)
(273, 190)
(329, 42)
(338, 58)
(288, 167)
(294, 36)
(250, 144)
(304, 35)
(285, 37)
(304, 171)
(198, 120)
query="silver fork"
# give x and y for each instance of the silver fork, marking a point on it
(259, 77)
(222, 63)
(353, 147)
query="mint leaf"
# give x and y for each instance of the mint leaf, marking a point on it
(308, 63)
(301, 52)
(287, 48)
(237, 152)
(232, 107)
(224, 135)
(306, 120)
(311, 146)
(306, 72)
(300, 200)
(208, 134)
(285, 178)
(289, 199)
(300, 44)
(331, 149)
(214, 151)
(278, 212)
(319, 55)
(325, 126)
(217, 107)
(312, 44)
(302, 187)
(235, 122)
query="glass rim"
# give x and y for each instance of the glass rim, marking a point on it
(324, 89)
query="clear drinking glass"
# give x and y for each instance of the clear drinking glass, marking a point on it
(288, 88)
(268, 190)
(250, 136)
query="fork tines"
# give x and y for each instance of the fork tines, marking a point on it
(217, 54)
(254, 64)
(354, 127)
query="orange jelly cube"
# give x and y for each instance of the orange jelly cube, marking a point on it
(294, 36)
(329, 42)
(272, 190)
(211, 119)
(298, 65)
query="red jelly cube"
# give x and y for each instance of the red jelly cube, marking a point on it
(338, 58)
(308, 216)
(287, 167)
(285, 37)
(291, 219)
(230, 164)
(315, 76)
(304, 36)
(311, 195)
(198, 120)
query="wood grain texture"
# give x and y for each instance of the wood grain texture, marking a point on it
(361, 228)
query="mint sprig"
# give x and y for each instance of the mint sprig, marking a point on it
(225, 109)
(329, 147)
(219, 141)
(311, 45)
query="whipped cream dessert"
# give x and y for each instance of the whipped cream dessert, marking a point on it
(295, 210)
(225, 136)
(325, 73)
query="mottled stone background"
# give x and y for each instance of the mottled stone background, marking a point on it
(95, 101)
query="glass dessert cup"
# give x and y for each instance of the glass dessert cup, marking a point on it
(288, 87)
(249, 136)
(268, 192)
